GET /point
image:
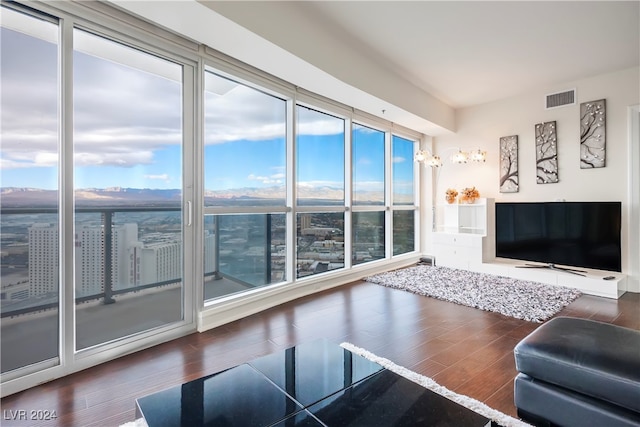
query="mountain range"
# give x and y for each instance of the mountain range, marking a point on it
(16, 197)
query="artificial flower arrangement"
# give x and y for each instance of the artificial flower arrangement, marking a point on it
(469, 195)
(451, 195)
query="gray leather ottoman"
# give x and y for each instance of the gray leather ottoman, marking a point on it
(578, 372)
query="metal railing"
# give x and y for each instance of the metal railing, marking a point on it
(108, 291)
(107, 214)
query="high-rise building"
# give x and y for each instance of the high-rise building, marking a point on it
(125, 243)
(89, 266)
(305, 221)
(161, 262)
(209, 252)
(89, 273)
(43, 259)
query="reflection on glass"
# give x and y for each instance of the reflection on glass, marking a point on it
(128, 190)
(368, 236)
(29, 242)
(244, 154)
(368, 166)
(402, 171)
(320, 243)
(403, 232)
(319, 158)
(243, 252)
(314, 370)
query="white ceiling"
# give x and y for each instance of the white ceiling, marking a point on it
(472, 52)
(417, 60)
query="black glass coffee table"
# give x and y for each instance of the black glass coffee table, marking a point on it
(313, 384)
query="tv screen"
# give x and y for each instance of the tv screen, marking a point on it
(578, 234)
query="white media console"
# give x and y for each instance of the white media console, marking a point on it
(465, 239)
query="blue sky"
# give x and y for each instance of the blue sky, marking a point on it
(127, 126)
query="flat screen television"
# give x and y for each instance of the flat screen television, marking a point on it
(577, 234)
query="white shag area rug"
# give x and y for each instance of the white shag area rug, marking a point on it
(140, 422)
(426, 382)
(531, 301)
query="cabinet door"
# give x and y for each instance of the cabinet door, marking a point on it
(457, 250)
(451, 256)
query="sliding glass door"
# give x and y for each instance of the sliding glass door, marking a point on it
(96, 205)
(30, 192)
(127, 189)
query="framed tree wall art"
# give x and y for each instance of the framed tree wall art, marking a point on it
(592, 134)
(546, 153)
(509, 164)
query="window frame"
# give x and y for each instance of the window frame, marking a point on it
(114, 24)
(129, 31)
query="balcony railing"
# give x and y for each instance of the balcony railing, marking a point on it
(108, 291)
(107, 215)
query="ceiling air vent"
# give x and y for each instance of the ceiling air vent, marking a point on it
(560, 99)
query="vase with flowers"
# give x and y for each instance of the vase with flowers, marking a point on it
(469, 195)
(451, 195)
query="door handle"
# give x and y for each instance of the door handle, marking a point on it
(189, 214)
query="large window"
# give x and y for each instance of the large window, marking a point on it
(244, 154)
(30, 192)
(244, 169)
(320, 158)
(368, 217)
(368, 165)
(320, 153)
(128, 190)
(403, 171)
(368, 236)
(403, 231)
(403, 178)
(243, 252)
(131, 195)
(320, 242)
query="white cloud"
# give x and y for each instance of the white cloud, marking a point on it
(364, 129)
(243, 113)
(6, 164)
(161, 177)
(46, 159)
(121, 115)
(316, 184)
(272, 179)
(320, 127)
(399, 159)
(369, 186)
(126, 159)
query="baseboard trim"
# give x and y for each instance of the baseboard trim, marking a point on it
(230, 309)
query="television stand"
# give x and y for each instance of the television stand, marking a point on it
(555, 268)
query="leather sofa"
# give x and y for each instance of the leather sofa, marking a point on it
(578, 372)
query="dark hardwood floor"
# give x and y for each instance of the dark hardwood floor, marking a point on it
(467, 350)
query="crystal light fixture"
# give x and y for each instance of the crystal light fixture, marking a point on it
(428, 159)
(421, 156)
(434, 162)
(478, 155)
(459, 157)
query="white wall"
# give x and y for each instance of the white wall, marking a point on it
(482, 126)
